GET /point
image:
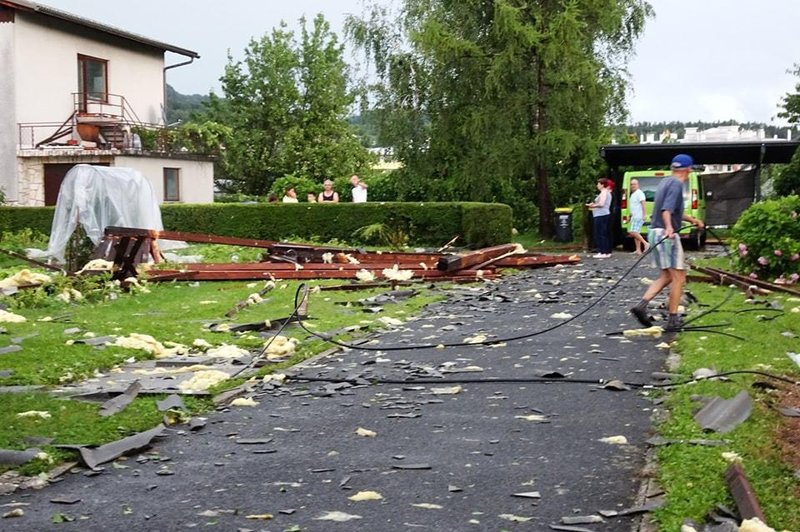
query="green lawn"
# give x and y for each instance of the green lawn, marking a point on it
(170, 312)
(693, 476)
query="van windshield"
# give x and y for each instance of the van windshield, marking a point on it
(649, 184)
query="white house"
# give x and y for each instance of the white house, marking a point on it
(74, 91)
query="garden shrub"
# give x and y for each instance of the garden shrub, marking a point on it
(302, 186)
(425, 224)
(766, 240)
(38, 219)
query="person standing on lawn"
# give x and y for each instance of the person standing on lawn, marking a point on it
(637, 208)
(666, 242)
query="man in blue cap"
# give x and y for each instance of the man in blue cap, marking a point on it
(668, 253)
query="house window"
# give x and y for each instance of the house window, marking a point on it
(172, 184)
(92, 79)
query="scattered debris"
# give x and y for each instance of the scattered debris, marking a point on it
(118, 403)
(16, 512)
(339, 517)
(203, 380)
(10, 317)
(366, 433)
(242, 401)
(528, 495)
(93, 457)
(428, 506)
(515, 518)
(743, 493)
(172, 402)
(449, 390)
(41, 414)
(615, 440)
(655, 332)
(723, 415)
(582, 520)
(10, 457)
(366, 496)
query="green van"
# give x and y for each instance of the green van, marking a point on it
(694, 204)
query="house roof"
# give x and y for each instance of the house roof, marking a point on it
(25, 5)
(752, 152)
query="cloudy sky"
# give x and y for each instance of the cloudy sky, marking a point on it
(697, 60)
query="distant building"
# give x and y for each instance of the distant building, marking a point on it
(733, 133)
(77, 91)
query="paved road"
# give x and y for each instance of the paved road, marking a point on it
(439, 461)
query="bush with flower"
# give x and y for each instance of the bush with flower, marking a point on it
(766, 240)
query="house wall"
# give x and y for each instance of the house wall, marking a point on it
(8, 120)
(196, 176)
(31, 171)
(46, 58)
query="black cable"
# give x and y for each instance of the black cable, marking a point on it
(538, 380)
(485, 342)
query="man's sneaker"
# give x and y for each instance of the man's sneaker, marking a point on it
(641, 316)
(674, 324)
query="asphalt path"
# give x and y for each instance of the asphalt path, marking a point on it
(442, 457)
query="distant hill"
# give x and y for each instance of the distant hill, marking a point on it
(181, 107)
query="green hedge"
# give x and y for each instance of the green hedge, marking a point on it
(427, 224)
(18, 218)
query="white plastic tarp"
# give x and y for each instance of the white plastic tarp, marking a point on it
(98, 197)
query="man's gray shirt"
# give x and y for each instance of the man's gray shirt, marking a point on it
(669, 197)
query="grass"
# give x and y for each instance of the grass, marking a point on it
(693, 476)
(171, 312)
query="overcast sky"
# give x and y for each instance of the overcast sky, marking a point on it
(697, 60)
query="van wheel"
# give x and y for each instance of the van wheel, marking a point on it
(695, 241)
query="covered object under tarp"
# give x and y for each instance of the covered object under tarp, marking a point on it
(98, 197)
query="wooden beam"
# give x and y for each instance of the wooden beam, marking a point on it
(451, 263)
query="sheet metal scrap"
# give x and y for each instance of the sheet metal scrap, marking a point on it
(94, 457)
(127, 247)
(724, 415)
(120, 402)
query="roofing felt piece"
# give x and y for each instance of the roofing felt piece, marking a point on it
(723, 415)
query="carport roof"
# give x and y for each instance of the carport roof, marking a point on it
(659, 155)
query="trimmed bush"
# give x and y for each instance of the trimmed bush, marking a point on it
(426, 224)
(15, 219)
(302, 187)
(429, 224)
(766, 240)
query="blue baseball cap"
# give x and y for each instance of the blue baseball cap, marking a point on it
(682, 162)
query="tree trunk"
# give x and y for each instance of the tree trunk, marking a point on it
(546, 223)
(545, 202)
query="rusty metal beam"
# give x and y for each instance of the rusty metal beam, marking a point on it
(725, 278)
(756, 282)
(188, 237)
(233, 274)
(288, 266)
(536, 261)
(743, 493)
(33, 261)
(451, 263)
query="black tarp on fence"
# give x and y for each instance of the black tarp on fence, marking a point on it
(728, 195)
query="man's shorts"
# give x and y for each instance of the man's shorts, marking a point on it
(669, 253)
(636, 225)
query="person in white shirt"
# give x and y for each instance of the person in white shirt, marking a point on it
(290, 196)
(637, 208)
(359, 190)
